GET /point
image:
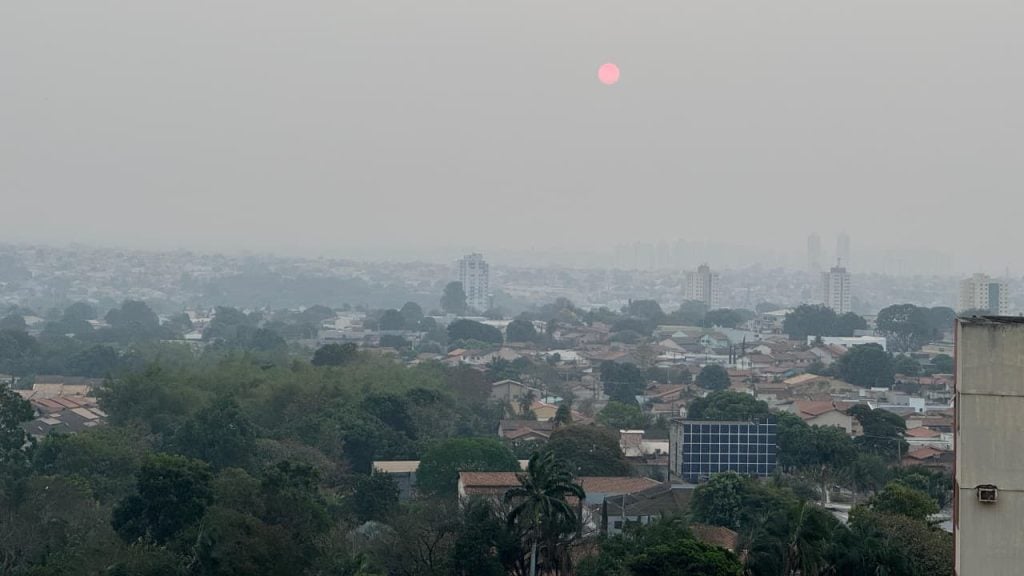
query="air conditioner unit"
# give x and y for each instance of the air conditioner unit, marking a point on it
(987, 494)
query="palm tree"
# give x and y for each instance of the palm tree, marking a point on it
(794, 541)
(526, 402)
(540, 503)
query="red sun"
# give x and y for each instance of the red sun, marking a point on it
(608, 73)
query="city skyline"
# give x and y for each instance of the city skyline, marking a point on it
(359, 142)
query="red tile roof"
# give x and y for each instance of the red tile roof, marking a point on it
(496, 483)
(716, 536)
(922, 433)
(925, 453)
(810, 409)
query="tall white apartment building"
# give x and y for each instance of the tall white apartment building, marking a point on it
(979, 292)
(704, 286)
(835, 289)
(475, 275)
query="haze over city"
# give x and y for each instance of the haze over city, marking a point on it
(416, 130)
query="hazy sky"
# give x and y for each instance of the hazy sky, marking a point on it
(383, 125)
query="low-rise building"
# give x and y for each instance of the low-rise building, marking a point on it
(699, 448)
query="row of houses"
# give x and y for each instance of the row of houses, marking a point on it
(63, 405)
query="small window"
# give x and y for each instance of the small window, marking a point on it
(618, 525)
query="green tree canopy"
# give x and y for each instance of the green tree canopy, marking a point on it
(172, 494)
(79, 311)
(866, 365)
(540, 507)
(905, 365)
(622, 381)
(647, 309)
(440, 466)
(719, 501)
(453, 301)
(689, 313)
(809, 320)
(724, 317)
(520, 330)
(883, 430)
(220, 435)
(472, 330)
(943, 364)
(14, 323)
(713, 377)
(727, 405)
(392, 320)
(335, 354)
(898, 498)
(619, 416)
(133, 313)
(413, 314)
(664, 547)
(848, 323)
(906, 327)
(817, 320)
(13, 411)
(375, 497)
(589, 450)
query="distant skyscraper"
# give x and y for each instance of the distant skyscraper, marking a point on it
(703, 286)
(843, 249)
(979, 292)
(814, 253)
(475, 275)
(835, 289)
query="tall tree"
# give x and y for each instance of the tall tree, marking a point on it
(14, 323)
(335, 354)
(413, 313)
(520, 330)
(472, 330)
(439, 469)
(540, 505)
(392, 320)
(713, 377)
(905, 326)
(453, 301)
(13, 411)
(220, 435)
(849, 323)
(619, 416)
(791, 541)
(727, 405)
(898, 498)
(723, 317)
(647, 309)
(375, 497)
(589, 450)
(622, 381)
(173, 493)
(809, 320)
(866, 365)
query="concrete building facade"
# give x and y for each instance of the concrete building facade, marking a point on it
(980, 292)
(475, 275)
(835, 289)
(814, 253)
(703, 285)
(843, 249)
(989, 440)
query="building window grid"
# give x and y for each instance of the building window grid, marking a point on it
(711, 448)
